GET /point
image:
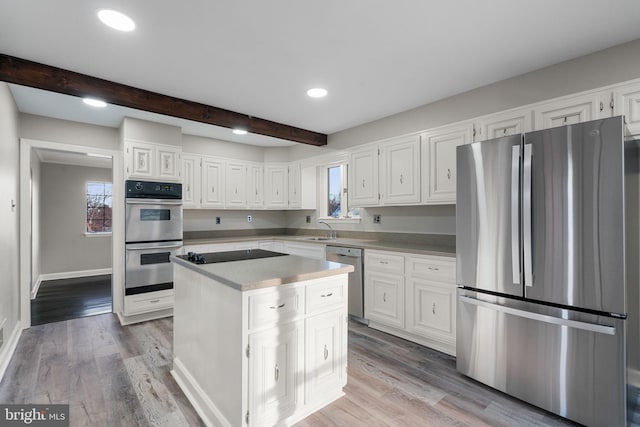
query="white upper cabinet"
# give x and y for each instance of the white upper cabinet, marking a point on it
(146, 160)
(295, 191)
(363, 177)
(191, 181)
(169, 162)
(276, 186)
(255, 188)
(400, 173)
(236, 185)
(503, 124)
(213, 187)
(572, 110)
(627, 103)
(439, 162)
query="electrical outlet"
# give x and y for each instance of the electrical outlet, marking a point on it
(308, 219)
(376, 219)
(217, 220)
(249, 218)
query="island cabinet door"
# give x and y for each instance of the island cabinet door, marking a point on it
(325, 370)
(275, 363)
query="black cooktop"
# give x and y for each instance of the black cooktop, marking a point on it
(241, 255)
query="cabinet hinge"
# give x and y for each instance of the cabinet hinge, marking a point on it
(246, 418)
(248, 352)
(378, 151)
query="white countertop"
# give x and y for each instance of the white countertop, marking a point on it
(252, 274)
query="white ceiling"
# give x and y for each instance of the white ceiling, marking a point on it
(375, 57)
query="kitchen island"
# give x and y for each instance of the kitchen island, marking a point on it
(260, 342)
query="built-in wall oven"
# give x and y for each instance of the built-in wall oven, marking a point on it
(153, 233)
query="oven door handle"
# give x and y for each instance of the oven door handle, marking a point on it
(153, 201)
(145, 247)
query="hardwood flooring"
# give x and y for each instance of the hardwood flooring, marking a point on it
(66, 299)
(119, 376)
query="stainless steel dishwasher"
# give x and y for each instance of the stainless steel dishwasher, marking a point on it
(352, 256)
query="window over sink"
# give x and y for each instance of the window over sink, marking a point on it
(334, 189)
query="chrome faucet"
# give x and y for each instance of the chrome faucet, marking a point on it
(332, 233)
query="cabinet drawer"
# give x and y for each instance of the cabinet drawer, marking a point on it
(152, 301)
(384, 262)
(274, 307)
(328, 294)
(432, 267)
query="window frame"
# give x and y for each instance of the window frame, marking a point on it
(88, 233)
(323, 198)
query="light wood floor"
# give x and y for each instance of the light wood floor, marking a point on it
(119, 376)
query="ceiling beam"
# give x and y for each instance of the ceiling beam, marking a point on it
(41, 76)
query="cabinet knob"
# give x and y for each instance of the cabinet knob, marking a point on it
(326, 295)
(363, 183)
(213, 189)
(276, 373)
(448, 173)
(433, 268)
(384, 297)
(433, 309)
(275, 307)
(400, 178)
(326, 352)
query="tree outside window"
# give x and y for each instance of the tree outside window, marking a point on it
(99, 207)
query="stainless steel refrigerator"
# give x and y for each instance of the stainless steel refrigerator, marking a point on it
(547, 267)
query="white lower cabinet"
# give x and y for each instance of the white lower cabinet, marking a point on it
(412, 296)
(274, 379)
(385, 297)
(270, 356)
(326, 345)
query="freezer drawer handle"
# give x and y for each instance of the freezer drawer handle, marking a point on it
(591, 327)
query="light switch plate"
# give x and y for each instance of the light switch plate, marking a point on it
(249, 218)
(308, 219)
(217, 220)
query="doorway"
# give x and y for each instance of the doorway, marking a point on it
(68, 239)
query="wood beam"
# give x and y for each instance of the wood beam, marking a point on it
(41, 76)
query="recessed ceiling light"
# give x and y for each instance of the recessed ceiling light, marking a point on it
(240, 131)
(317, 92)
(95, 102)
(116, 20)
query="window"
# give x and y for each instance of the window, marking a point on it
(335, 203)
(99, 204)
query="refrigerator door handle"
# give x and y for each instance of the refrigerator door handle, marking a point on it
(527, 225)
(515, 215)
(591, 327)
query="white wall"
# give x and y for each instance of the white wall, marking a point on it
(9, 172)
(205, 219)
(64, 246)
(144, 130)
(67, 132)
(214, 147)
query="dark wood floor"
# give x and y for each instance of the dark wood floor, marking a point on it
(113, 375)
(66, 299)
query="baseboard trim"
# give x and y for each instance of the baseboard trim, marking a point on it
(9, 348)
(137, 318)
(207, 410)
(67, 275)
